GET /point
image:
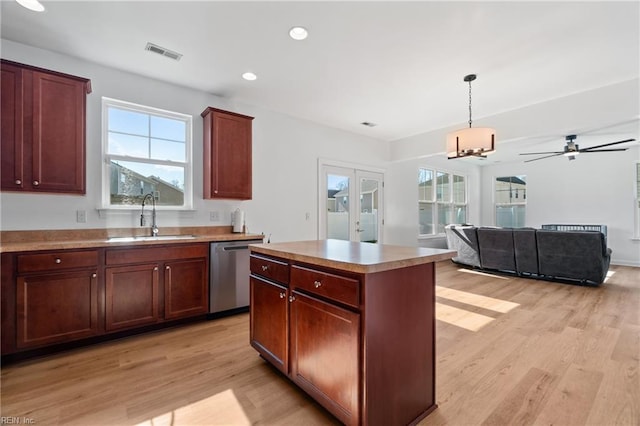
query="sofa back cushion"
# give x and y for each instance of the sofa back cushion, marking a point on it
(572, 254)
(496, 248)
(526, 250)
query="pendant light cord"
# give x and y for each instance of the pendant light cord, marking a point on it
(469, 103)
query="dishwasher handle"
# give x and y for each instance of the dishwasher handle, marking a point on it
(235, 248)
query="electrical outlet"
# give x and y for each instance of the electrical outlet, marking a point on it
(214, 216)
(81, 216)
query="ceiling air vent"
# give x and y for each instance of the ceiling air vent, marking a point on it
(368, 124)
(162, 51)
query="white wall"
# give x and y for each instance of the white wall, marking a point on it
(401, 192)
(593, 189)
(285, 153)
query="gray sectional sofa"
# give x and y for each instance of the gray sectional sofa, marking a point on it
(574, 256)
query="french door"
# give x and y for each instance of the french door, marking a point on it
(351, 203)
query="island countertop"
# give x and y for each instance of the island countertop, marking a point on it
(353, 256)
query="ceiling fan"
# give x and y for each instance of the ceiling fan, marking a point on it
(571, 149)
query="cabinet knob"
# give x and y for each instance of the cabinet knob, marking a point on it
(282, 295)
(317, 284)
(167, 267)
(155, 269)
(292, 298)
(58, 260)
(36, 183)
(265, 267)
(215, 192)
(18, 182)
(94, 275)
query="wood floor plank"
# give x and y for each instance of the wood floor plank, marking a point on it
(551, 353)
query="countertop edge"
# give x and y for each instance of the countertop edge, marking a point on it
(105, 243)
(443, 254)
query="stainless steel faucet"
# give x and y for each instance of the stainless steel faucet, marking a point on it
(154, 227)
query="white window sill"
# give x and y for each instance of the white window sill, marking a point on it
(430, 237)
(127, 211)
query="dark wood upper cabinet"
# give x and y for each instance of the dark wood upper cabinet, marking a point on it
(227, 155)
(43, 130)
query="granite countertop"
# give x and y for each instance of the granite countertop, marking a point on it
(353, 256)
(18, 241)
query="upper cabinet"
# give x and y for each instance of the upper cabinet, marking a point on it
(43, 130)
(227, 155)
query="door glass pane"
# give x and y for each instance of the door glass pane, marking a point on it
(510, 216)
(338, 217)
(368, 226)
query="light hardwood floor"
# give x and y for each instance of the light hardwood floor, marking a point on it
(510, 351)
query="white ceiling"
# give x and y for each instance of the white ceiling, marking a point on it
(397, 64)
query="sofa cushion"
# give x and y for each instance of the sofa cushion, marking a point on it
(526, 250)
(496, 248)
(580, 255)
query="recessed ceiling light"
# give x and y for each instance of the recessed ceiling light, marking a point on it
(249, 76)
(34, 5)
(298, 33)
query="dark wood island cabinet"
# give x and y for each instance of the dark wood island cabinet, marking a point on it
(352, 324)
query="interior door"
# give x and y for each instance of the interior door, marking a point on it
(351, 203)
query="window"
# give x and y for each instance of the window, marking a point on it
(145, 150)
(442, 199)
(510, 201)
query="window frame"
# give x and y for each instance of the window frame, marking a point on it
(436, 203)
(636, 210)
(106, 157)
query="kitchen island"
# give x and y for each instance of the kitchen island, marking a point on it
(352, 324)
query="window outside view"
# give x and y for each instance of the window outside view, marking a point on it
(441, 201)
(146, 152)
(510, 201)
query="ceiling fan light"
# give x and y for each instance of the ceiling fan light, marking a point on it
(472, 141)
(34, 5)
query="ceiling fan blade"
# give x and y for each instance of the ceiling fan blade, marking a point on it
(546, 156)
(609, 144)
(540, 153)
(588, 150)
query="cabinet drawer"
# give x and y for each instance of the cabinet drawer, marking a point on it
(270, 268)
(57, 261)
(335, 287)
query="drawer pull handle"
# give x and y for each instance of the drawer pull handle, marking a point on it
(282, 295)
(292, 298)
(317, 284)
(265, 267)
(18, 182)
(58, 260)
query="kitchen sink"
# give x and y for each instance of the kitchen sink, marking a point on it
(150, 238)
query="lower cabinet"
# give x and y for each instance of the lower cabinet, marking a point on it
(186, 288)
(55, 308)
(131, 294)
(269, 313)
(325, 342)
(52, 297)
(56, 298)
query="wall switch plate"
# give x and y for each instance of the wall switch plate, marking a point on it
(81, 216)
(214, 216)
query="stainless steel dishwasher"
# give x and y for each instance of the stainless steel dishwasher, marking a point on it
(229, 276)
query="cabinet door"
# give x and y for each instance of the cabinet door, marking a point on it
(58, 134)
(11, 131)
(269, 321)
(227, 155)
(186, 288)
(53, 308)
(131, 296)
(325, 342)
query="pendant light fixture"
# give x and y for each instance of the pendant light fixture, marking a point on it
(473, 141)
